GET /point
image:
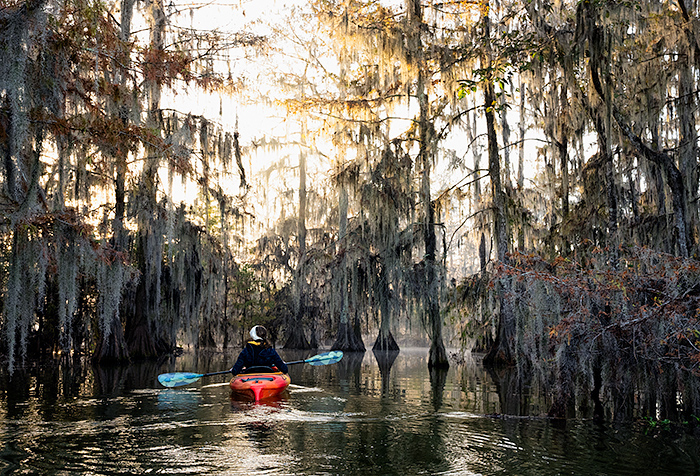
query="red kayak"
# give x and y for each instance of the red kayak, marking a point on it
(259, 385)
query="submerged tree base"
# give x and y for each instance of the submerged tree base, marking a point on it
(141, 344)
(297, 340)
(113, 348)
(437, 357)
(385, 342)
(348, 339)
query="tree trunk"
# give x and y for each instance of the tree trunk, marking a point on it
(115, 347)
(140, 333)
(673, 175)
(503, 351)
(112, 349)
(521, 167)
(385, 340)
(437, 357)
(431, 299)
(296, 339)
(348, 337)
(139, 338)
(602, 117)
(688, 139)
(688, 150)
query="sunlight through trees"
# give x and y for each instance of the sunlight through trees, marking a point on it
(517, 178)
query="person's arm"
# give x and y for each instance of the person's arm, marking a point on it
(279, 363)
(241, 362)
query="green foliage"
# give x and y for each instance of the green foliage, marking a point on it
(654, 424)
(499, 75)
(250, 299)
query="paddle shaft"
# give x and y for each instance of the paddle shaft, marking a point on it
(229, 371)
(299, 362)
(295, 362)
(217, 373)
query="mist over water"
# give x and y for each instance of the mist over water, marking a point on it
(355, 417)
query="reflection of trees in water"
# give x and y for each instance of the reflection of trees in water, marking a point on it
(513, 391)
(110, 379)
(478, 391)
(436, 427)
(52, 381)
(385, 360)
(438, 378)
(376, 433)
(601, 392)
(349, 370)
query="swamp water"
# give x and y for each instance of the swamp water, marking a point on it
(352, 418)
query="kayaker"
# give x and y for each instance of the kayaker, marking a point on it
(258, 352)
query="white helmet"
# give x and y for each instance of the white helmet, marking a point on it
(254, 334)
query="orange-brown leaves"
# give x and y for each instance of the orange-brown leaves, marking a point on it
(647, 306)
(163, 67)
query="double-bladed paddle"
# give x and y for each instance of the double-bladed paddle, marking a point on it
(177, 379)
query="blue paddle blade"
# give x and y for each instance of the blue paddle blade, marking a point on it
(331, 357)
(178, 378)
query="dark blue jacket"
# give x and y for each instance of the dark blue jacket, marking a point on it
(255, 353)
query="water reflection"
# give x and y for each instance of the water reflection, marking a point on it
(240, 403)
(178, 399)
(374, 414)
(349, 371)
(385, 360)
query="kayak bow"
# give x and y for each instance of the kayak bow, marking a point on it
(259, 386)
